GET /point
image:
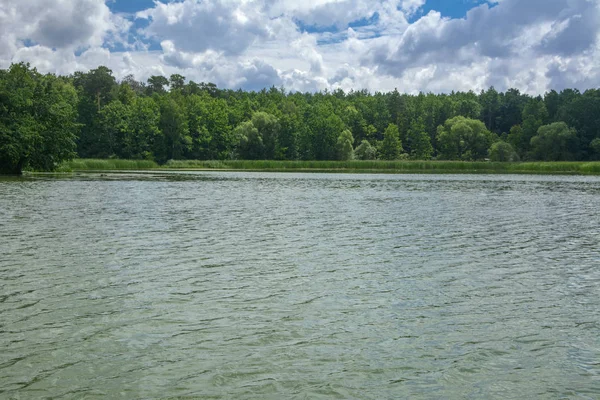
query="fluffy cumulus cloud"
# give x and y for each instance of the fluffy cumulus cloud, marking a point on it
(55, 26)
(310, 45)
(515, 43)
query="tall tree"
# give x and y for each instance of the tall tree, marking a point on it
(391, 147)
(345, 146)
(175, 140)
(555, 142)
(38, 123)
(463, 138)
(418, 142)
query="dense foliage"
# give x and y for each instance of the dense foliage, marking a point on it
(45, 119)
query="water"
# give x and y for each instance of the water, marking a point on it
(273, 286)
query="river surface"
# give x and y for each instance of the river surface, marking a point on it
(300, 286)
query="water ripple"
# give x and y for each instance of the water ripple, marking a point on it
(248, 285)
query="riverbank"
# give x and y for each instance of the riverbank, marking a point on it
(442, 167)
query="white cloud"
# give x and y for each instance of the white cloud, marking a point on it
(512, 44)
(532, 45)
(218, 25)
(59, 24)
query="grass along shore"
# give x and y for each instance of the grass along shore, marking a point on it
(576, 168)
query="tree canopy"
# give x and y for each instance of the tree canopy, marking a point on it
(45, 119)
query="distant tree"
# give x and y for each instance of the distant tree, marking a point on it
(534, 116)
(344, 146)
(143, 128)
(157, 83)
(555, 142)
(391, 147)
(322, 131)
(137, 87)
(114, 122)
(251, 146)
(175, 140)
(176, 82)
(38, 123)
(595, 148)
(268, 128)
(365, 151)
(463, 138)
(490, 101)
(418, 141)
(503, 152)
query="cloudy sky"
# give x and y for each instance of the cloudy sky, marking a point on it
(308, 45)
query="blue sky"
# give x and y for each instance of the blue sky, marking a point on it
(448, 8)
(412, 45)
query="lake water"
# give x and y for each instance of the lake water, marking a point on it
(300, 286)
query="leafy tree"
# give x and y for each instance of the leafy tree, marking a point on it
(555, 142)
(468, 106)
(463, 138)
(595, 148)
(137, 87)
(177, 82)
(503, 152)
(365, 151)
(490, 102)
(37, 120)
(96, 88)
(251, 145)
(324, 127)
(344, 146)
(114, 122)
(157, 83)
(418, 141)
(534, 116)
(391, 147)
(143, 128)
(268, 128)
(174, 139)
(290, 126)
(510, 110)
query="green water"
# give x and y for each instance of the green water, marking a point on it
(300, 286)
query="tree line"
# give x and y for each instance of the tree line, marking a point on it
(45, 119)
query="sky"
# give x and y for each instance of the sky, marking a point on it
(310, 45)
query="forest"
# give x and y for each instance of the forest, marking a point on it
(46, 119)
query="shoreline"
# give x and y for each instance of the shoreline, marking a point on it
(363, 167)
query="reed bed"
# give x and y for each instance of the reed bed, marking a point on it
(590, 168)
(581, 168)
(90, 164)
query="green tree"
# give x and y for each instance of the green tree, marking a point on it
(555, 142)
(174, 139)
(177, 82)
(595, 149)
(418, 141)
(463, 138)
(143, 128)
(365, 151)
(323, 129)
(157, 83)
(534, 116)
(37, 120)
(490, 102)
(391, 147)
(503, 152)
(251, 146)
(113, 120)
(345, 146)
(268, 128)
(96, 88)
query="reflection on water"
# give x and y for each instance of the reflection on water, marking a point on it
(251, 285)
